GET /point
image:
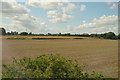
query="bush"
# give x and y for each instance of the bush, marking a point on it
(46, 66)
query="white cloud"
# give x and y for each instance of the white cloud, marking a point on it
(82, 7)
(11, 9)
(94, 19)
(62, 19)
(31, 23)
(113, 6)
(58, 17)
(53, 14)
(69, 8)
(109, 3)
(9, 0)
(46, 5)
(103, 24)
(83, 21)
(12, 27)
(20, 19)
(61, 15)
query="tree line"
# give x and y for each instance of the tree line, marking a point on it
(108, 35)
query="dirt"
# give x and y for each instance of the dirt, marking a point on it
(99, 55)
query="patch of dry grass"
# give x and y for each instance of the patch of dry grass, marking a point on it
(30, 37)
(99, 55)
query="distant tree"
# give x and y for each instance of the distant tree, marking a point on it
(8, 33)
(93, 35)
(12, 33)
(49, 34)
(99, 35)
(41, 35)
(30, 33)
(15, 33)
(67, 34)
(76, 34)
(59, 34)
(2, 31)
(54, 34)
(110, 35)
(102, 36)
(119, 36)
(23, 33)
(85, 35)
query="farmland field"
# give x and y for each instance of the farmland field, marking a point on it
(45, 37)
(100, 55)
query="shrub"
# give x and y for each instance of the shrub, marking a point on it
(46, 66)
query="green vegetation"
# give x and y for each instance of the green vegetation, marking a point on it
(109, 35)
(54, 38)
(47, 66)
(12, 38)
(16, 38)
(2, 31)
(119, 36)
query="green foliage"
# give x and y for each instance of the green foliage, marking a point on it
(46, 66)
(23, 33)
(2, 31)
(119, 36)
(110, 35)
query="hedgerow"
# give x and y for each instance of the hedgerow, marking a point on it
(47, 66)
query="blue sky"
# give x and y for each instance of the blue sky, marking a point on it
(55, 17)
(93, 10)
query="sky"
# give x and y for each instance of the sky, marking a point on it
(55, 17)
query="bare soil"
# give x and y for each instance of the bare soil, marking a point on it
(99, 55)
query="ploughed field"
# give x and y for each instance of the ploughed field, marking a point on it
(99, 55)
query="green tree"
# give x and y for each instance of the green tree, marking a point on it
(119, 36)
(49, 34)
(2, 31)
(30, 33)
(110, 35)
(23, 33)
(46, 66)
